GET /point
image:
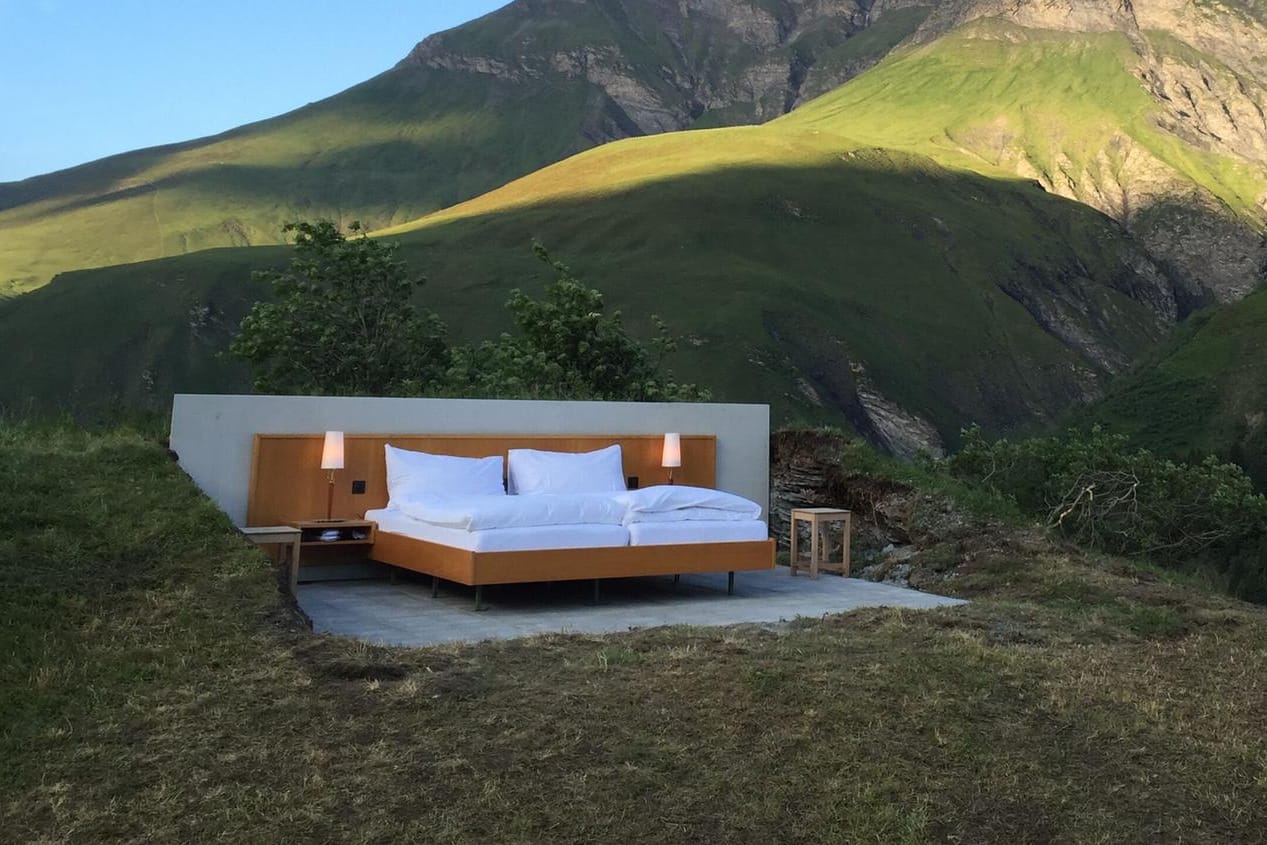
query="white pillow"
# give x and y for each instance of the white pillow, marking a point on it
(412, 474)
(534, 472)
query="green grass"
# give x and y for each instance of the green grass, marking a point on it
(1204, 392)
(400, 145)
(990, 92)
(407, 142)
(155, 686)
(797, 257)
(866, 259)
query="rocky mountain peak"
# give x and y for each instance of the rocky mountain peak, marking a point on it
(666, 65)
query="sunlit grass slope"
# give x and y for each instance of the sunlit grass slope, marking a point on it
(1204, 392)
(982, 98)
(400, 145)
(1067, 104)
(879, 237)
(792, 284)
(472, 108)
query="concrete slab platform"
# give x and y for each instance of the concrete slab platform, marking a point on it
(405, 614)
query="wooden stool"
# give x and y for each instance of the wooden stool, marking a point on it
(817, 518)
(283, 536)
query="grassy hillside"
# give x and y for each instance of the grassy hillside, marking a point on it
(992, 92)
(953, 295)
(467, 111)
(982, 99)
(398, 146)
(1204, 392)
(1068, 110)
(155, 686)
(882, 255)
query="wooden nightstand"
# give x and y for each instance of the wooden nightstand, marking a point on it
(351, 532)
(285, 536)
(818, 518)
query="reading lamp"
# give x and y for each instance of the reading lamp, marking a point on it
(332, 459)
(672, 456)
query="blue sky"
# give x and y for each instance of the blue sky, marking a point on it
(82, 79)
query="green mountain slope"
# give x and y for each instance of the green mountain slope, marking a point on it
(468, 110)
(866, 286)
(1091, 115)
(1204, 392)
(895, 253)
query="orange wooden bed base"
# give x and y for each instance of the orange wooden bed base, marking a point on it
(286, 484)
(476, 569)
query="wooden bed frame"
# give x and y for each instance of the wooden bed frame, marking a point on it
(287, 484)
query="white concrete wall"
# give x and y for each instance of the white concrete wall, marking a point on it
(213, 435)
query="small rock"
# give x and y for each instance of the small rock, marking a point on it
(899, 575)
(902, 553)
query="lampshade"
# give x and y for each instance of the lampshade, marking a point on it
(332, 451)
(672, 450)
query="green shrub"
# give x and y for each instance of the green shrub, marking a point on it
(1095, 489)
(569, 347)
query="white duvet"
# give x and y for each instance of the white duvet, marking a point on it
(479, 513)
(666, 503)
(678, 503)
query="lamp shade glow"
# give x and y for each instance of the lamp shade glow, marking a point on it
(672, 456)
(332, 451)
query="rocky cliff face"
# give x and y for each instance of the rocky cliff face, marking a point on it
(666, 65)
(1205, 67)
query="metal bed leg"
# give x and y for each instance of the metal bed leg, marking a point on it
(730, 583)
(479, 597)
(435, 585)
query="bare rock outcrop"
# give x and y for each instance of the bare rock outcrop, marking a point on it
(901, 432)
(749, 61)
(1204, 65)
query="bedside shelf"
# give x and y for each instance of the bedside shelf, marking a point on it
(312, 529)
(310, 541)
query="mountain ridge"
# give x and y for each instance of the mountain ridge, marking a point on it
(446, 123)
(1036, 183)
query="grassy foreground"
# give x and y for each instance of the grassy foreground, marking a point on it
(155, 686)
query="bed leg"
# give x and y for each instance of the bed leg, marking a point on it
(595, 599)
(435, 586)
(479, 597)
(730, 583)
(676, 578)
(391, 575)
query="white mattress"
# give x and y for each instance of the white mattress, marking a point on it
(696, 531)
(502, 539)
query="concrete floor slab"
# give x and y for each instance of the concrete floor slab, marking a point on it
(405, 614)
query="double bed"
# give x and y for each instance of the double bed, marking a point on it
(503, 510)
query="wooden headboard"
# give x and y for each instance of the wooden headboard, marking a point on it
(287, 482)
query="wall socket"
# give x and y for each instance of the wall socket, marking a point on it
(358, 488)
(631, 482)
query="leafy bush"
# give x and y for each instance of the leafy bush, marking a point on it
(343, 321)
(568, 347)
(1098, 491)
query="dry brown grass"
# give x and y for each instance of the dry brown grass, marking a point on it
(156, 688)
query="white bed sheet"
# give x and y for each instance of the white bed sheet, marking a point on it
(696, 531)
(529, 538)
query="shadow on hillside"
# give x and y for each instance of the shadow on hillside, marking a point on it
(876, 287)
